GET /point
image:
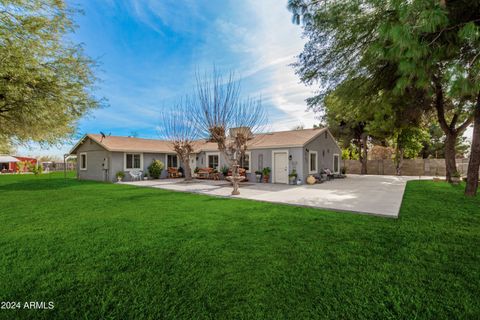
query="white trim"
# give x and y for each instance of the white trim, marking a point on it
(212, 154)
(86, 161)
(333, 166)
(171, 154)
(249, 153)
(273, 163)
(125, 161)
(310, 162)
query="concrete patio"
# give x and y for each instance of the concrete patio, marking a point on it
(377, 195)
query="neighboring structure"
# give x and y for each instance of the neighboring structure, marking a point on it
(305, 151)
(8, 164)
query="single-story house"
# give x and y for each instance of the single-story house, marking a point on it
(306, 151)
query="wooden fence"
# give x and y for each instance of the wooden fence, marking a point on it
(410, 167)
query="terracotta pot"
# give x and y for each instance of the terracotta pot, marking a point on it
(266, 178)
(311, 180)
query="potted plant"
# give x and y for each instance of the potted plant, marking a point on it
(195, 172)
(120, 175)
(145, 176)
(258, 175)
(224, 171)
(343, 170)
(456, 177)
(180, 171)
(292, 177)
(266, 174)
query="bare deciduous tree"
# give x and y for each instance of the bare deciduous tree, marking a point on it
(220, 113)
(177, 127)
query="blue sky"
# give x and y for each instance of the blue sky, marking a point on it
(149, 51)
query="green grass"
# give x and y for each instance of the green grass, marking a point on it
(105, 251)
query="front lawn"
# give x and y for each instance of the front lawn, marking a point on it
(106, 251)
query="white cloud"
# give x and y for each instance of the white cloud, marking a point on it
(271, 42)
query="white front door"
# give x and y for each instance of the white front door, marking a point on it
(280, 167)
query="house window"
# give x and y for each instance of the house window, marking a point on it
(212, 161)
(313, 160)
(133, 161)
(83, 161)
(245, 161)
(172, 161)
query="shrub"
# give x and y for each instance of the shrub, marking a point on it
(293, 174)
(35, 168)
(155, 169)
(21, 166)
(266, 171)
(224, 170)
(343, 170)
(120, 174)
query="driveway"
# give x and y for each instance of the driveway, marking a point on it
(377, 195)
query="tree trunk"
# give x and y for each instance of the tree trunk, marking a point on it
(399, 161)
(474, 162)
(364, 154)
(187, 170)
(450, 162)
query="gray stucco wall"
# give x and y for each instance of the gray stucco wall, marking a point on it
(262, 158)
(95, 155)
(95, 159)
(117, 163)
(326, 147)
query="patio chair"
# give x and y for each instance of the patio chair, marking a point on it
(326, 175)
(173, 172)
(204, 173)
(135, 174)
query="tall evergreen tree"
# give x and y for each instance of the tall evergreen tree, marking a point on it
(428, 47)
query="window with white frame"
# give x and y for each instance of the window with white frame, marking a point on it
(133, 161)
(245, 161)
(213, 161)
(172, 161)
(313, 162)
(83, 161)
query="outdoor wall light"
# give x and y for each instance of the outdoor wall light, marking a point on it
(290, 157)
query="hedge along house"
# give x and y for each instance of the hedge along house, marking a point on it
(306, 151)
